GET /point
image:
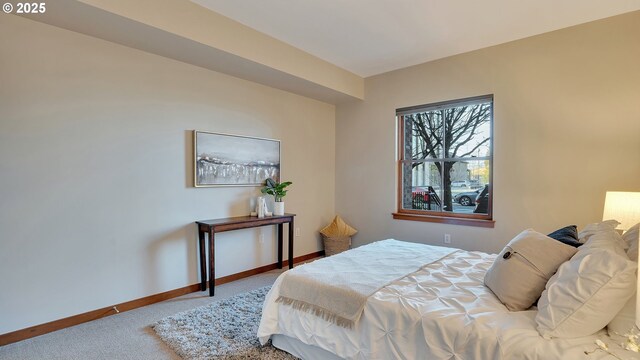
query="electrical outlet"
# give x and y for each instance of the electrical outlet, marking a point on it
(297, 232)
(447, 238)
(261, 239)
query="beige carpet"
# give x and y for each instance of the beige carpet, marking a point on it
(126, 335)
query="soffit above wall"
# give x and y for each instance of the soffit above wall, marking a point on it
(372, 37)
(184, 31)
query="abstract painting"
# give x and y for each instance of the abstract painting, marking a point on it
(234, 160)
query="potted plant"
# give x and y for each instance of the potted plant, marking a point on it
(278, 191)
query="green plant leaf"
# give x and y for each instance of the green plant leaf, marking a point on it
(276, 189)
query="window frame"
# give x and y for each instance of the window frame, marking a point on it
(482, 220)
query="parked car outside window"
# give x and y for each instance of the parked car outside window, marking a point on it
(467, 198)
(460, 183)
(470, 184)
(482, 201)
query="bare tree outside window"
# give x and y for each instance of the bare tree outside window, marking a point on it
(446, 157)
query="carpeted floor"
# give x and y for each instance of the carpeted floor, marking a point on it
(127, 335)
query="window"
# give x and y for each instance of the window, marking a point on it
(445, 162)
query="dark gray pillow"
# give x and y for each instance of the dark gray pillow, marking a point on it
(567, 235)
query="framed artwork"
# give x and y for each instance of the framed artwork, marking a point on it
(234, 160)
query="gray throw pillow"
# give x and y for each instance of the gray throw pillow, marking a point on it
(521, 270)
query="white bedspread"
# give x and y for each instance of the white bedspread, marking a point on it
(442, 311)
(337, 287)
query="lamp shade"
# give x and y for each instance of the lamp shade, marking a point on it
(622, 206)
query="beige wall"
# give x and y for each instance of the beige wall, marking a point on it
(96, 202)
(567, 128)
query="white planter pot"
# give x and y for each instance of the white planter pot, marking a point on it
(278, 208)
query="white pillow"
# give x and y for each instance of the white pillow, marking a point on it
(608, 239)
(585, 294)
(631, 237)
(625, 319)
(591, 229)
(519, 273)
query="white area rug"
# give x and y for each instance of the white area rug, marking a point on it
(224, 329)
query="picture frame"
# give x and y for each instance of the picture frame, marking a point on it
(234, 160)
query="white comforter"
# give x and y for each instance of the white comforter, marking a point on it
(442, 311)
(338, 287)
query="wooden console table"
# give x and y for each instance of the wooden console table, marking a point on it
(235, 223)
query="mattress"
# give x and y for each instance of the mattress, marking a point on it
(442, 311)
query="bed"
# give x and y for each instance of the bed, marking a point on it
(441, 311)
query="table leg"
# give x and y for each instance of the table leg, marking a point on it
(212, 262)
(203, 261)
(280, 230)
(291, 244)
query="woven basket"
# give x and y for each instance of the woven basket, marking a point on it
(336, 244)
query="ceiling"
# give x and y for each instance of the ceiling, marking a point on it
(369, 37)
